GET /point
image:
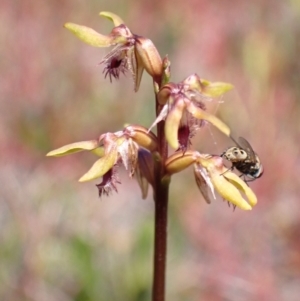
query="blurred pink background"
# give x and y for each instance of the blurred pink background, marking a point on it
(59, 241)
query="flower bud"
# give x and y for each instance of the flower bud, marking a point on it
(148, 55)
(142, 137)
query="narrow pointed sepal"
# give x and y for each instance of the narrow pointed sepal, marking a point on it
(146, 165)
(143, 183)
(173, 121)
(113, 17)
(214, 89)
(74, 148)
(162, 115)
(89, 35)
(201, 114)
(101, 166)
(145, 171)
(231, 189)
(137, 69)
(204, 183)
(230, 193)
(242, 186)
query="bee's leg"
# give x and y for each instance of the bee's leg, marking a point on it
(245, 179)
(231, 168)
(229, 205)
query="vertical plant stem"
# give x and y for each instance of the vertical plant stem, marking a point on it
(160, 242)
(161, 221)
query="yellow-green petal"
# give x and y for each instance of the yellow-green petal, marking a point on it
(222, 184)
(89, 35)
(99, 151)
(229, 192)
(214, 89)
(242, 186)
(172, 123)
(101, 166)
(201, 114)
(113, 17)
(74, 148)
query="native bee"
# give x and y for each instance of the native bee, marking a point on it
(244, 159)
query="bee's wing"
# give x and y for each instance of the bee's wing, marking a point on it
(244, 144)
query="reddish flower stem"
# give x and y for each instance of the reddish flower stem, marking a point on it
(160, 243)
(161, 196)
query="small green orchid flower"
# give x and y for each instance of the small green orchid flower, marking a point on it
(211, 175)
(131, 52)
(183, 109)
(114, 148)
